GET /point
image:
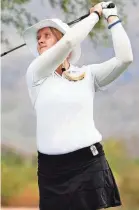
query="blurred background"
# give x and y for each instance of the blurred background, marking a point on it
(116, 108)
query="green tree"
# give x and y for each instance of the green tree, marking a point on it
(14, 13)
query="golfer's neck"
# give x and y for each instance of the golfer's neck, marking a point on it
(66, 65)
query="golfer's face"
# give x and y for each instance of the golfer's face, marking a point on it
(45, 39)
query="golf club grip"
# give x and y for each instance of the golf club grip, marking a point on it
(77, 20)
(111, 5)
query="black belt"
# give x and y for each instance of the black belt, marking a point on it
(82, 154)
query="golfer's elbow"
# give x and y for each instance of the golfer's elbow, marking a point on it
(69, 40)
(128, 54)
(69, 44)
(127, 59)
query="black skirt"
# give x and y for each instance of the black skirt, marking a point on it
(79, 180)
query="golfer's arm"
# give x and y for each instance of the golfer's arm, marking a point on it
(51, 59)
(108, 71)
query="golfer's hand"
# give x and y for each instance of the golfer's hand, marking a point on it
(109, 14)
(97, 8)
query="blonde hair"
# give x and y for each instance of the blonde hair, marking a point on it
(58, 34)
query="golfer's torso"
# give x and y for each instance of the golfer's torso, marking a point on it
(65, 115)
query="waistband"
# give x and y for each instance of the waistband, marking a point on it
(82, 154)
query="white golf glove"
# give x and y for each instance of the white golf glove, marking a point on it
(108, 11)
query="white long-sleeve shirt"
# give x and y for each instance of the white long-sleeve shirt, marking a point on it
(64, 108)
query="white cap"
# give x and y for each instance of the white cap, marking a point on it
(30, 36)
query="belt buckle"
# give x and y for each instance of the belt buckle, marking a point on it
(94, 150)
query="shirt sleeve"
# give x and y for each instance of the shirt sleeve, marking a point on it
(51, 59)
(106, 72)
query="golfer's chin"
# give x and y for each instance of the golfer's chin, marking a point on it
(42, 50)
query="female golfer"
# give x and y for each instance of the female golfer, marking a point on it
(73, 172)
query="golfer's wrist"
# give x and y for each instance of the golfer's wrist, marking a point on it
(111, 19)
(98, 14)
(113, 23)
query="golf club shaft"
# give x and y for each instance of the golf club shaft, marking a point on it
(111, 5)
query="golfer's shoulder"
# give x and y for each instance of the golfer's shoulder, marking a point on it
(88, 69)
(30, 69)
(28, 73)
(76, 68)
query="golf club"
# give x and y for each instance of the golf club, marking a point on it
(111, 5)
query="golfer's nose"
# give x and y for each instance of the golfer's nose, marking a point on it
(41, 40)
